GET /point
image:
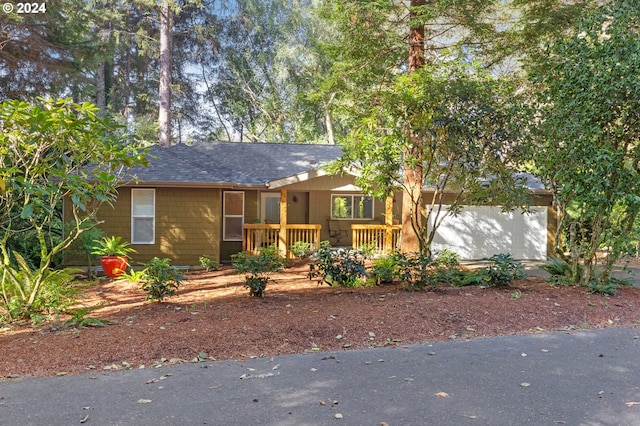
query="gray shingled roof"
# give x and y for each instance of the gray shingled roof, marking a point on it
(243, 164)
(228, 163)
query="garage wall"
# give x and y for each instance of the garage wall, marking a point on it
(482, 231)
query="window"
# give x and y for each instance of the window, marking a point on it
(143, 216)
(233, 208)
(351, 207)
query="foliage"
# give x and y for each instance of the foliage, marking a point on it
(79, 319)
(417, 271)
(447, 258)
(560, 271)
(342, 267)
(300, 249)
(585, 141)
(258, 267)
(368, 250)
(51, 151)
(112, 246)
(86, 244)
(208, 263)
(467, 147)
(160, 279)
(500, 272)
(54, 295)
(384, 269)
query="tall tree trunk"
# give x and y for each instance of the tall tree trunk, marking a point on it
(101, 94)
(412, 222)
(164, 116)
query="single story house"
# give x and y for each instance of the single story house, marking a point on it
(219, 198)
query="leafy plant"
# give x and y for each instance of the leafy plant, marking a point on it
(560, 270)
(500, 272)
(258, 267)
(384, 269)
(447, 258)
(79, 319)
(603, 288)
(368, 249)
(300, 249)
(160, 279)
(112, 246)
(342, 267)
(27, 293)
(208, 263)
(46, 148)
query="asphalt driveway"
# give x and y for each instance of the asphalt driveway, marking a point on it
(577, 378)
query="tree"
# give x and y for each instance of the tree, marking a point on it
(586, 134)
(52, 150)
(467, 152)
(421, 109)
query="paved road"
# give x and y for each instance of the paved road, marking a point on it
(582, 378)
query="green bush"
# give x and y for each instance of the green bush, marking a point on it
(54, 294)
(560, 271)
(341, 267)
(384, 269)
(414, 270)
(447, 258)
(258, 267)
(500, 272)
(300, 249)
(208, 263)
(160, 279)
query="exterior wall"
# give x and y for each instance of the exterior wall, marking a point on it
(187, 225)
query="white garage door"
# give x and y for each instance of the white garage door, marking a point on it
(482, 231)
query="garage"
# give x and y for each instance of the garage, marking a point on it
(482, 231)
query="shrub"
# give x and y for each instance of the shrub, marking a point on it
(54, 293)
(208, 263)
(258, 267)
(413, 270)
(160, 279)
(368, 249)
(384, 269)
(342, 267)
(500, 272)
(560, 271)
(447, 258)
(300, 249)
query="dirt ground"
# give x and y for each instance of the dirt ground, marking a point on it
(213, 317)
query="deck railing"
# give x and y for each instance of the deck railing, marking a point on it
(383, 238)
(264, 235)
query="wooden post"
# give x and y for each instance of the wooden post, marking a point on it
(388, 222)
(282, 235)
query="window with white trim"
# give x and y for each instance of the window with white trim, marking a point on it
(143, 216)
(233, 215)
(350, 206)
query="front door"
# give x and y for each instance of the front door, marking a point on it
(270, 207)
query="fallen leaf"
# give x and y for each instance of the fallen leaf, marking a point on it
(525, 384)
(84, 419)
(62, 373)
(321, 402)
(338, 416)
(143, 401)
(631, 404)
(215, 387)
(442, 395)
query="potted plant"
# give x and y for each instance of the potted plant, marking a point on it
(115, 255)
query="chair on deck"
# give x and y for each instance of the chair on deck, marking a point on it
(335, 232)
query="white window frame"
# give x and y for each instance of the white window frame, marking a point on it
(352, 196)
(225, 216)
(138, 216)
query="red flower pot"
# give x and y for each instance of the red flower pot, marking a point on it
(114, 266)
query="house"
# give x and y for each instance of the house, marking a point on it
(219, 198)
